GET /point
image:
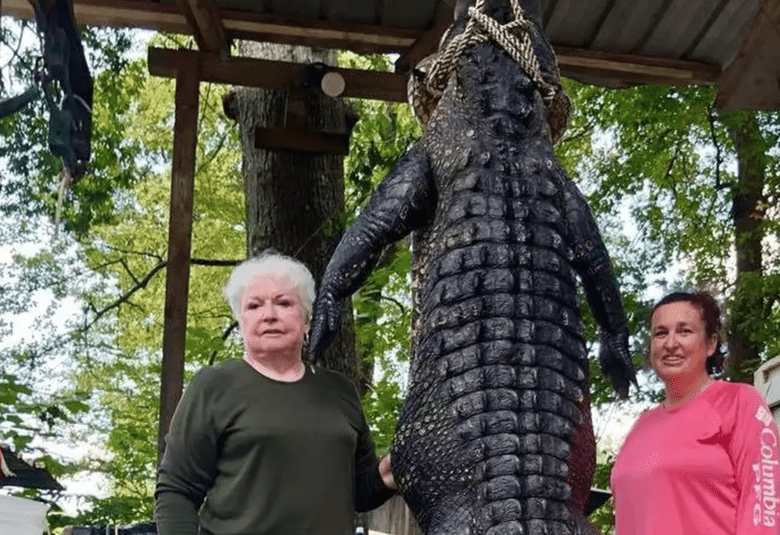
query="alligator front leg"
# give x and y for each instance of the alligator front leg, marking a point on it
(591, 261)
(403, 202)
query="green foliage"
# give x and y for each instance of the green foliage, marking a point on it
(106, 276)
(11, 410)
(382, 307)
(382, 135)
(32, 182)
(129, 252)
(604, 516)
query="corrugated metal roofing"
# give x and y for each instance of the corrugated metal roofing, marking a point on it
(699, 30)
(708, 31)
(739, 37)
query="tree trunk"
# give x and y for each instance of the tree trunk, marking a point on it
(295, 200)
(746, 305)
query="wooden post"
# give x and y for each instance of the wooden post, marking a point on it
(393, 517)
(185, 137)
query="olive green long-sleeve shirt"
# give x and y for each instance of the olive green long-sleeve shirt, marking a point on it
(264, 457)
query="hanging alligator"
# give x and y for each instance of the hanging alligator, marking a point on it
(495, 436)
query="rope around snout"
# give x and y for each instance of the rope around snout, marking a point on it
(515, 38)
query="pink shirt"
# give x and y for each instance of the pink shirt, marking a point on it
(709, 467)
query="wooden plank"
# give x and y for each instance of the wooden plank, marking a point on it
(574, 62)
(392, 87)
(752, 80)
(362, 38)
(126, 13)
(185, 135)
(203, 17)
(426, 45)
(301, 140)
(252, 72)
(393, 517)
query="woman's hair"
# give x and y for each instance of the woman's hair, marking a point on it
(710, 315)
(269, 263)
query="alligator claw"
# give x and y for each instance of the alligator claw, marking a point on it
(615, 360)
(325, 323)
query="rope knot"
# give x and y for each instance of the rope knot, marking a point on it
(431, 76)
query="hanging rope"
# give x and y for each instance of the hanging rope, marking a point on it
(515, 37)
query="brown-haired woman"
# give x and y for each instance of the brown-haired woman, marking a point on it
(704, 461)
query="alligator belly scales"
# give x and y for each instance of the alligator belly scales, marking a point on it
(495, 434)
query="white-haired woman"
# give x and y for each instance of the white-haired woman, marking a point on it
(269, 444)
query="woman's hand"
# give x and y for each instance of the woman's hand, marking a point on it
(386, 471)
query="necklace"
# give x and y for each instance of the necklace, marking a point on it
(698, 391)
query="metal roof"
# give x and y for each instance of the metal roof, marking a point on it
(734, 43)
(24, 474)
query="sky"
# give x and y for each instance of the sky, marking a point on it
(23, 329)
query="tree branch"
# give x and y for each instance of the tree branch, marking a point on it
(668, 175)
(214, 262)
(139, 284)
(127, 268)
(225, 335)
(711, 116)
(210, 157)
(125, 298)
(587, 128)
(136, 253)
(394, 301)
(15, 50)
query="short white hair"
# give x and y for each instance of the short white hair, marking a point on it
(270, 264)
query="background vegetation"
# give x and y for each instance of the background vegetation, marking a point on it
(666, 174)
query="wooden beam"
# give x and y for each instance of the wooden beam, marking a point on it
(252, 72)
(125, 13)
(205, 22)
(361, 38)
(185, 136)
(426, 45)
(166, 17)
(301, 140)
(633, 69)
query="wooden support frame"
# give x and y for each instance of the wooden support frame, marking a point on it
(601, 67)
(185, 137)
(301, 139)
(203, 17)
(264, 73)
(575, 63)
(633, 69)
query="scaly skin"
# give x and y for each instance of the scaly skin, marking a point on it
(495, 436)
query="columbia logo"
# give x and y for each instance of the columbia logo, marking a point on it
(762, 415)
